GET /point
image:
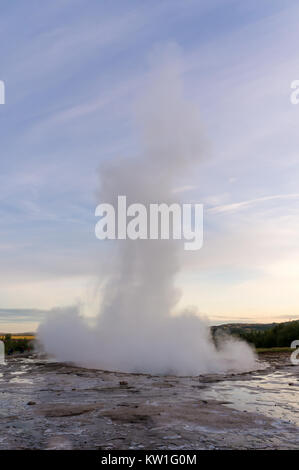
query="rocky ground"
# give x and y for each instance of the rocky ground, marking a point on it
(48, 405)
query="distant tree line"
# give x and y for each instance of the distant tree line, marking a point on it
(280, 335)
(13, 345)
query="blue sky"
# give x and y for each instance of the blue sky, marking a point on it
(73, 71)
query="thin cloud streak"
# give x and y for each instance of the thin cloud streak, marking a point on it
(237, 206)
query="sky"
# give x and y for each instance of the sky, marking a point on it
(73, 71)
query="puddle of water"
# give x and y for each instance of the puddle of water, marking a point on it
(270, 395)
(18, 380)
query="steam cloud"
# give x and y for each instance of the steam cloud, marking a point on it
(135, 330)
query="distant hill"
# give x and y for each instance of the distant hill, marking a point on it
(232, 328)
(30, 333)
(248, 327)
(18, 336)
(262, 335)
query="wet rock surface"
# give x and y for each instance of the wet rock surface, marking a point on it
(49, 405)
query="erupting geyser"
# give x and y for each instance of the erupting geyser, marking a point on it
(135, 330)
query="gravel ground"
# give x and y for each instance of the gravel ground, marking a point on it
(50, 405)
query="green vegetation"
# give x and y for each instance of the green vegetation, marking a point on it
(273, 350)
(262, 336)
(279, 336)
(13, 345)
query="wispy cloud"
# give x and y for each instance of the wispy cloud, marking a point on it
(237, 206)
(13, 315)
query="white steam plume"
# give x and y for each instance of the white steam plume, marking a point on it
(135, 330)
